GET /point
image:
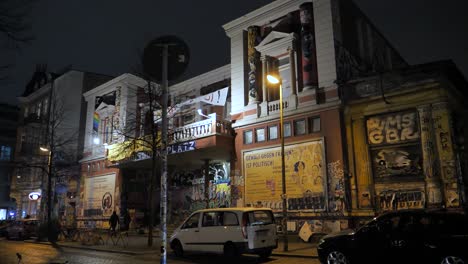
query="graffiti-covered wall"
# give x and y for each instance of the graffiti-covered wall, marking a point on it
(188, 189)
(404, 155)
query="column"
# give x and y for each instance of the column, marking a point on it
(364, 181)
(309, 56)
(292, 66)
(253, 60)
(430, 163)
(448, 171)
(264, 73)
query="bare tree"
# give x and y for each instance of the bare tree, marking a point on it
(140, 132)
(57, 151)
(14, 27)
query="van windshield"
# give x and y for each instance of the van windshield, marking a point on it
(260, 217)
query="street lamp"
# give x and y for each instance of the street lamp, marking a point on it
(275, 80)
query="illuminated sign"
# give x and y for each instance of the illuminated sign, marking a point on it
(34, 196)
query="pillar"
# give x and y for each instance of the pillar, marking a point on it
(448, 171)
(309, 56)
(264, 73)
(292, 66)
(430, 163)
(253, 60)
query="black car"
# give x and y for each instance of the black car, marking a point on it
(412, 236)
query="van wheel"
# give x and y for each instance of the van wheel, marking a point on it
(177, 248)
(230, 250)
(265, 254)
(452, 260)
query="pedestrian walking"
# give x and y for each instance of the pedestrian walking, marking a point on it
(126, 221)
(113, 221)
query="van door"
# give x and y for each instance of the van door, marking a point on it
(189, 233)
(261, 229)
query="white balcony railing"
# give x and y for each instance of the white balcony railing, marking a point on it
(200, 129)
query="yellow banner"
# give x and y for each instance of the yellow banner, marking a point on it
(127, 148)
(304, 171)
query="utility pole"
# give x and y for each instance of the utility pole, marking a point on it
(165, 58)
(163, 205)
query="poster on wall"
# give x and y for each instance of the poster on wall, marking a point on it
(99, 198)
(305, 171)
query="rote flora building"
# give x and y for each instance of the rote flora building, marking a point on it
(364, 132)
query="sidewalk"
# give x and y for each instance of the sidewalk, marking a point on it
(136, 244)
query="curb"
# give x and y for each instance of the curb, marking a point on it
(294, 255)
(133, 253)
(126, 252)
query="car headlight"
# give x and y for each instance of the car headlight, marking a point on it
(321, 241)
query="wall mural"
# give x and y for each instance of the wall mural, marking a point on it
(253, 58)
(305, 177)
(390, 159)
(309, 57)
(392, 128)
(188, 192)
(406, 199)
(397, 162)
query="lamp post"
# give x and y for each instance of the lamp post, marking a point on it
(275, 80)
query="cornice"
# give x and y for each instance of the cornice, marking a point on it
(110, 85)
(262, 15)
(277, 47)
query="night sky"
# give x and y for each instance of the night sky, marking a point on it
(107, 36)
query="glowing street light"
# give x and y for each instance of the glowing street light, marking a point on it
(275, 80)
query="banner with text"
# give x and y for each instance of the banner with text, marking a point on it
(305, 176)
(99, 195)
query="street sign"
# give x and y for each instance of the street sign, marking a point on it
(178, 57)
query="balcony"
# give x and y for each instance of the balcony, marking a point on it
(32, 118)
(200, 129)
(139, 149)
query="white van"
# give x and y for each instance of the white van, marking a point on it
(231, 231)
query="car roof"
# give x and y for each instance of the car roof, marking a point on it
(237, 209)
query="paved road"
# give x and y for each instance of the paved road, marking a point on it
(38, 253)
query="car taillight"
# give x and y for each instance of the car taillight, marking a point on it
(244, 225)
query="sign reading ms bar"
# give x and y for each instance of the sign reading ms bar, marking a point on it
(182, 147)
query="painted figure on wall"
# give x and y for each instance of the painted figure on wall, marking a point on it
(309, 57)
(253, 61)
(397, 162)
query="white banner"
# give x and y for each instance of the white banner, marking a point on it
(215, 98)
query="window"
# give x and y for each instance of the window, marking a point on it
(260, 134)
(5, 153)
(299, 127)
(212, 219)
(26, 111)
(192, 222)
(230, 219)
(46, 105)
(314, 124)
(272, 132)
(248, 137)
(287, 129)
(260, 218)
(39, 109)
